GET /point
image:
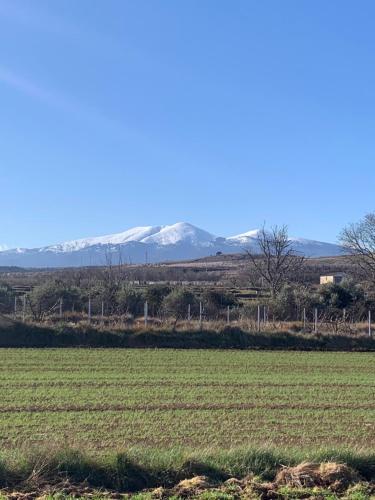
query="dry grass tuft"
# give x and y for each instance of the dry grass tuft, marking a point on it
(193, 486)
(328, 478)
(334, 476)
(337, 476)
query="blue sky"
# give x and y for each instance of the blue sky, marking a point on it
(222, 113)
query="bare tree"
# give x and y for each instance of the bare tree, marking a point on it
(358, 240)
(274, 262)
(113, 277)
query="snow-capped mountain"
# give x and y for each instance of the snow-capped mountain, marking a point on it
(149, 244)
(310, 248)
(180, 232)
(160, 235)
(134, 234)
(245, 237)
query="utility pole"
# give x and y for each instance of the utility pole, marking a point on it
(316, 320)
(189, 313)
(228, 315)
(200, 315)
(258, 319)
(60, 308)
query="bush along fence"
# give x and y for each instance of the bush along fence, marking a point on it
(257, 318)
(333, 308)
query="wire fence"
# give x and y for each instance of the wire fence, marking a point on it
(258, 318)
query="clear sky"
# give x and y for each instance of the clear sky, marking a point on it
(225, 114)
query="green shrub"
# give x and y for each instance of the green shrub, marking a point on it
(130, 301)
(155, 295)
(177, 302)
(46, 297)
(6, 299)
(216, 301)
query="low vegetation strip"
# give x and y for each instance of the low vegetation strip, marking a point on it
(257, 474)
(184, 406)
(18, 334)
(101, 400)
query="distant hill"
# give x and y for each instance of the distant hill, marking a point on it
(11, 269)
(149, 244)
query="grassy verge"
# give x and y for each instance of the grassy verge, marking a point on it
(17, 334)
(136, 470)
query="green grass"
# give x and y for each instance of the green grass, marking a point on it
(137, 471)
(111, 400)
(140, 418)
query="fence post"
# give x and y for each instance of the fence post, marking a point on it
(258, 319)
(344, 315)
(89, 310)
(146, 312)
(200, 315)
(189, 313)
(304, 318)
(23, 307)
(369, 324)
(228, 315)
(15, 306)
(316, 320)
(102, 313)
(60, 308)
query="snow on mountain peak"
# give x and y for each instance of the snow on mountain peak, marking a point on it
(309, 248)
(134, 234)
(180, 232)
(178, 241)
(159, 235)
(3, 247)
(243, 237)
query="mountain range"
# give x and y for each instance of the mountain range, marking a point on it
(149, 244)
